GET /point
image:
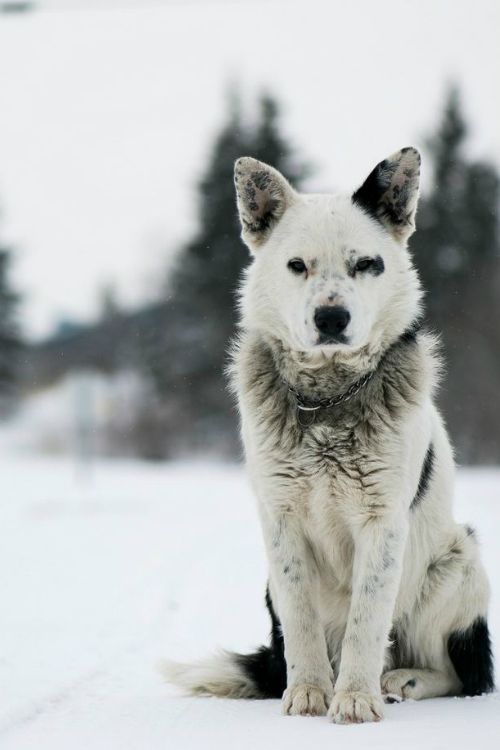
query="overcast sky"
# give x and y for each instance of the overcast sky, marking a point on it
(107, 115)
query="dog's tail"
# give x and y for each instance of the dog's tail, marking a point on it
(228, 675)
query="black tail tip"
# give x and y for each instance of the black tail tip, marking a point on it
(266, 668)
(471, 655)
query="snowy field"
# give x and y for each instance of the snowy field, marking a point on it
(104, 572)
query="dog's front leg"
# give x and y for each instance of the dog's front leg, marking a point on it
(378, 554)
(294, 584)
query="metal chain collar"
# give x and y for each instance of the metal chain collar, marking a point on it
(303, 405)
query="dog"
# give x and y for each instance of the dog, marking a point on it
(375, 593)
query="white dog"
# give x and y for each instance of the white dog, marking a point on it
(374, 590)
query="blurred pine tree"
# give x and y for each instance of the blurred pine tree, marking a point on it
(186, 355)
(457, 250)
(458, 219)
(10, 342)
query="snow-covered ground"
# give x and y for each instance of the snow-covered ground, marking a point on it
(106, 570)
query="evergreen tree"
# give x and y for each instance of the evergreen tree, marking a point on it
(188, 354)
(108, 301)
(458, 221)
(457, 250)
(9, 338)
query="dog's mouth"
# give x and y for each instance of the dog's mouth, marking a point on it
(329, 341)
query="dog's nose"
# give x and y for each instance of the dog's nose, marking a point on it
(330, 321)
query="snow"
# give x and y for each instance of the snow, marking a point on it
(83, 412)
(107, 568)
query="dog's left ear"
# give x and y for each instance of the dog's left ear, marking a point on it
(263, 195)
(390, 193)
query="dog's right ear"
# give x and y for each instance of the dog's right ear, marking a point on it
(263, 195)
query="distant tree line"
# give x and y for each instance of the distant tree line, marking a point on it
(457, 251)
(10, 338)
(16, 6)
(187, 354)
(180, 343)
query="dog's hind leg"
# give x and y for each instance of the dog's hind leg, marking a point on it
(402, 684)
(468, 650)
(443, 646)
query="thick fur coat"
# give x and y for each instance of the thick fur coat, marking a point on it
(375, 592)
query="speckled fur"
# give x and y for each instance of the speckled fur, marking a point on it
(353, 567)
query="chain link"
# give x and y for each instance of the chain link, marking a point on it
(326, 403)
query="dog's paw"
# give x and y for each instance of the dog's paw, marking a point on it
(305, 700)
(399, 685)
(354, 707)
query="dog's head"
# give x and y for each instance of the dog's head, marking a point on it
(330, 273)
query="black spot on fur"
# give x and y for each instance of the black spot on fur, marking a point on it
(262, 179)
(398, 649)
(425, 477)
(410, 335)
(391, 699)
(470, 654)
(394, 651)
(267, 667)
(264, 222)
(377, 266)
(368, 196)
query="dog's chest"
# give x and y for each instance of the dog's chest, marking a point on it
(327, 467)
(333, 455)
(323, 471)
(319, 466)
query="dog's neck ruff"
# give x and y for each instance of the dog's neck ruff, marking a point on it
(310, 407)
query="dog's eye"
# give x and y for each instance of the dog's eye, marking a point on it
(364, 264)
(297, 265)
